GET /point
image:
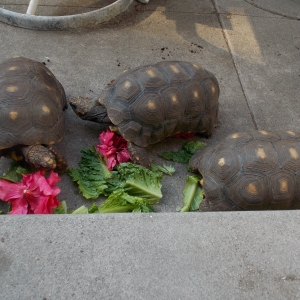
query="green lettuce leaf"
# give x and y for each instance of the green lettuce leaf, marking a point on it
(120, 202)
(114, 182)
(93, 209)
(14, 172)
(61, 209)
(192, 194)
(185, 153)
(141, 182)
(92, 175)
(169, 170)
(80, 211)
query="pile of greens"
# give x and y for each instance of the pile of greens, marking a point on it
(129, 188)
(185, 153)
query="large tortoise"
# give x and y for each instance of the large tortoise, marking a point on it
(254, 170)
(152, 102)
(31, 112)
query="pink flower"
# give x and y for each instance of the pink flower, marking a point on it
(184, 135)
(35, 194)
(113, 148)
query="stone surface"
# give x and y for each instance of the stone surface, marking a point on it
(152, 256)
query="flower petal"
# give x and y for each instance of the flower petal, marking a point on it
(111, 162)
(185, 135)
(19, 206)
(46, 205)
(9, 191)
(53, 178)
(123, 156)
(106, 137)
(106, 150)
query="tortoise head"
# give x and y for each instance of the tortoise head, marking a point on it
(90, 110)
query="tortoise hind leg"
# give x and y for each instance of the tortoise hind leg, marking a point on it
(39, 157)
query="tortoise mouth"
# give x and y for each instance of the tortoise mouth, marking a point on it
(79, 111)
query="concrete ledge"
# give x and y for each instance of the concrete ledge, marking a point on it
(236, 255)
(89, 19)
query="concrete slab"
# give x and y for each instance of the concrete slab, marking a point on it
(246, 255)
(266, 55)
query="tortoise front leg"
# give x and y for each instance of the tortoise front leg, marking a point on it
(140, 155)
(39, 157)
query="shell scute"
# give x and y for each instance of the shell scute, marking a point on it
(195, 71)
(31, 104)
(259, 156)
(283, 189)
(173, 72)
(173, 102)
(150, 77)
(194, 91)
(127, 89)
(288, 154)
(249, 191)
(148, 109)
(224, 165)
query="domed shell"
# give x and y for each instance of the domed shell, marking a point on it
(252, 171)
(31, 104)
(152, 102)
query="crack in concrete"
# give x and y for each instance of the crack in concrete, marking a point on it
(234, 62)
(272, 11)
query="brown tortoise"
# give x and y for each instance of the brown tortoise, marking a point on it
(150, 103)
(251, 171)
(31, 112)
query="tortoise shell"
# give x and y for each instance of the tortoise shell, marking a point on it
(31, 104)
(251, 171)
(152, 102)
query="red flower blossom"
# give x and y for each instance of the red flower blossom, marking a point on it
(35, 194)
(184, 135)
(113, 148)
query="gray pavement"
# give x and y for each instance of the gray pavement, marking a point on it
(255, 54)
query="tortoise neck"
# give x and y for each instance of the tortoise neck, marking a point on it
(98, 113)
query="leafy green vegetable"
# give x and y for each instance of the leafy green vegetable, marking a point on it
(129, 188)
(61, 209)
(81, 210)
(169, 170)
(14, 172)
(185, 153)
(2, 212)
(93, 209)
(114, 182)
(120, 201)
(92, 175)
(141, 182)
(132, 188)
(192, 194)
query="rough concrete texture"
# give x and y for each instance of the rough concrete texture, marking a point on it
(255, 55)
(152, 256)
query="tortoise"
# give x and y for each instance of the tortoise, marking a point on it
(151, 102)
(257, 170)
(32, 101)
